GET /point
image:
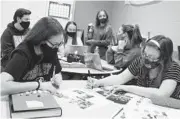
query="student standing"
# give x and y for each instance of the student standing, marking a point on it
(102, 36)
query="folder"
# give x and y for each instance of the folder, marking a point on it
(34, 106)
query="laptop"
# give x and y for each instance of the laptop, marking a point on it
(76, 49)
(34, 105)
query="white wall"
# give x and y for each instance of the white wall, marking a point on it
(160, 18)
(39, 9)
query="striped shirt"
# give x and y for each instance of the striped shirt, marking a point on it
(173, 72)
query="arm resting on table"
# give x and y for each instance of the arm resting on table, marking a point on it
(9, 86)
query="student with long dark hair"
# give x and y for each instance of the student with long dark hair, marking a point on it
(156, 72)
(34, 63)
(103, 34)
(71, 34)
(128, 47)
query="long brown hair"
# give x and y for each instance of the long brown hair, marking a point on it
(74, 42)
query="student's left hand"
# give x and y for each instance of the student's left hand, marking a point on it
(117, 88)
(56, 80)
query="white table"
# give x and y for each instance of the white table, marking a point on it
(104, 112)
(82, 69)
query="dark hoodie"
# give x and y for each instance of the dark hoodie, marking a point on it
(10, 38)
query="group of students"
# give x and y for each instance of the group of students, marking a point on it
(34, 64)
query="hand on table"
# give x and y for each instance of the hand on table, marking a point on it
(56, 80)
(92, 83)
(117, 88)
(47, 86)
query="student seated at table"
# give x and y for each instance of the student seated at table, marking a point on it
(71, 34)
(34, 64)
(156, 72)
(102, 35)
(128, 48)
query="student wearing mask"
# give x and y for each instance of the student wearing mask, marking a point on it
(128, 48)
(71, 34)
(34, 64)
(14, 33)
(102, 36)
(156, 72)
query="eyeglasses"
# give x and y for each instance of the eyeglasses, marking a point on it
(55, 45)
(150, 58)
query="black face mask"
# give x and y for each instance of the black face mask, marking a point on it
(49, 53)
(103, 20)
(71, 34)
(25, 25)
(152, 64)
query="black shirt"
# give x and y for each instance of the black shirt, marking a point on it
(24, 65)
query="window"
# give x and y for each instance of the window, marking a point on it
(59, 10)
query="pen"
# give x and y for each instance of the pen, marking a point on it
(89, 74)
(117, 113)
(53, 82)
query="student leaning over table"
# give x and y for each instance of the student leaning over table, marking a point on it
(35, 57)
(156, 72)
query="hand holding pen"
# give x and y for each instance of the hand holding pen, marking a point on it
(56, 79)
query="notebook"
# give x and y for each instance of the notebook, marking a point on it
(167, 102)
(34, 106)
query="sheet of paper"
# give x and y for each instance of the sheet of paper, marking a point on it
(84, 99)
(34, 104)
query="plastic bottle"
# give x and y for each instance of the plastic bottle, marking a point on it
(96, 50)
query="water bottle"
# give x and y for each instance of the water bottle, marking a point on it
(90, 31)
(96, 50)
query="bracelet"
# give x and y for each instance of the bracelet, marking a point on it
(38, 85)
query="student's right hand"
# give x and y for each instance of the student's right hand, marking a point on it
(47, 86)
(92, 83)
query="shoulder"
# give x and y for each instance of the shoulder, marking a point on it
(174, 67)
(6, 32)
(173, 72)
(22, 50)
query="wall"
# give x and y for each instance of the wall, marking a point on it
(159, 18)
(9, 7)
(85, 12)
(39, 9)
